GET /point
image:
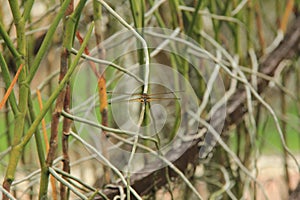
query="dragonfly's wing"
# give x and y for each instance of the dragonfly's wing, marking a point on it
(138, 93)
(161, 93)
(142, 100)
(127, 100)
(171, 92)
(162, 98)
(143, 97)
(124, 93)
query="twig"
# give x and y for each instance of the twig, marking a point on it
(161, 171)
(255, 93)
(114, 169)
(108, 129)
(236, 110)
(63, 181)
(3, 101)
(285, 18)
(67, 175)
(105, 62)
(52, 179)
(4, 191)
(144, 44)
(229, 151)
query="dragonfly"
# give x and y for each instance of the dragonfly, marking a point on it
(143, 98)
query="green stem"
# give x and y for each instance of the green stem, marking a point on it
(56, 92)
(61, 86)
(6, 77)
(137, 10)
(250, 22)
(37, 135)
(236, 31)
(195, 17)
(23, 96)
(176, 14)
(8, 42)
(78, 10)
(17, 149)
(158, 17)
(15, 10)
(97, 13)
(20, 29)
(27, 9)
(48, 38)
(212, 7)
(70, 27)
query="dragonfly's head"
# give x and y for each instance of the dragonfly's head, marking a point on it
(143, 99)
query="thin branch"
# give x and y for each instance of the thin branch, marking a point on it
(107, 162)
(63, 181)
(229, 151)
(10, 88)
(8, 195)
(137, 35)
(235, 107)
(105, 62)
(108, 129)
(255, 93)
(47, 41)
(166, 159)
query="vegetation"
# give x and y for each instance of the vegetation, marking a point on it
(174, 99)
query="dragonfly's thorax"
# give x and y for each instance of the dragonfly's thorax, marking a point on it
(144, 98)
